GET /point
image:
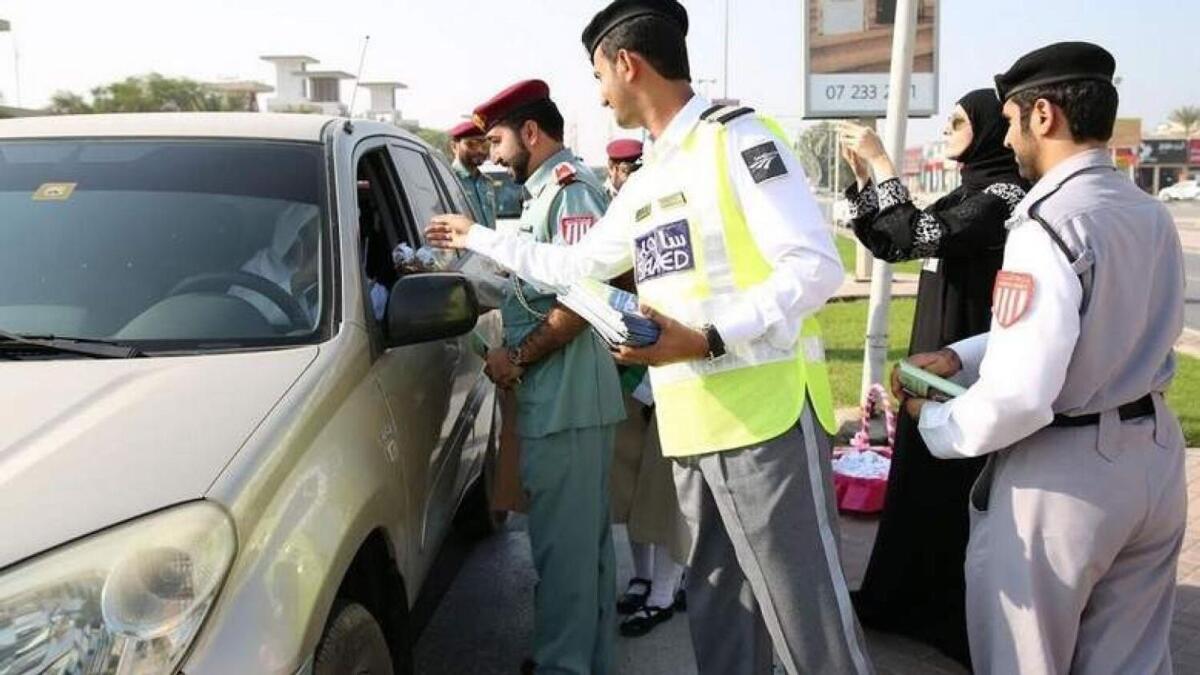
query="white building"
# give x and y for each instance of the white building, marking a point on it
(383, 106)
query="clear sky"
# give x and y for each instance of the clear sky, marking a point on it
(455, 53)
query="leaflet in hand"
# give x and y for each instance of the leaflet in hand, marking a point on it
(923, 384)
(613, 313)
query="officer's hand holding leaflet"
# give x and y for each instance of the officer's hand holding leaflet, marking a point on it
(676, 342)
(944, 363)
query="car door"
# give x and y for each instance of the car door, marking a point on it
(426, 196)
(416, 380)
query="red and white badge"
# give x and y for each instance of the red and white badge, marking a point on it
(572, 228)
(1011, 297)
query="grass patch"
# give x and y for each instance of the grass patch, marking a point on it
(845, 324)
(846, 245)
(1182, 397)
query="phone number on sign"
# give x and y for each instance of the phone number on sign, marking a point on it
(860, 92)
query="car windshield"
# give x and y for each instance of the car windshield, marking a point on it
(193, 244)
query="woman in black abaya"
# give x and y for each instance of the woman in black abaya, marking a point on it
(914, 582)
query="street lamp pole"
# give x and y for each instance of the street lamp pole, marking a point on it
(725, 74)
(6, 27)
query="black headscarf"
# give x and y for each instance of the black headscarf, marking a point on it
(986, 160)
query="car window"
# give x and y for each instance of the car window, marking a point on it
(197, 242)
(420, 190)
(458, 197)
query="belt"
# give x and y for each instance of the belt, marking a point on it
(1140, 408)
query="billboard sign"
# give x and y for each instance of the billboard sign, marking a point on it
(847, 54)
(1164, 151)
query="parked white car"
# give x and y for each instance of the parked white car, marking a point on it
(1183, 190)
(233, 435)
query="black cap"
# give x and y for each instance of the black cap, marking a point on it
(1059, 62)
(621, 11)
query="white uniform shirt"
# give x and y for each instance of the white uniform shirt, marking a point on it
(1065, 355)
(1017, 371)
(783, 217)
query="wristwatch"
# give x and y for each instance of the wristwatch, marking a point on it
(514, 357)
(716, 346)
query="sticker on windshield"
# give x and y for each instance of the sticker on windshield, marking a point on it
(54, 192)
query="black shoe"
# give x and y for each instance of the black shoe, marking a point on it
(680, 604)
(632, 601)
(644, 620)
(528, 667)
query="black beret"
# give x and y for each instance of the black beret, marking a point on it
(1059, 62)
(621, 11)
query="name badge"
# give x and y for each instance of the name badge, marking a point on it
(666, 249)
(931, 265)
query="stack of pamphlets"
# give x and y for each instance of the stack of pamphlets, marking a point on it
(613, 314)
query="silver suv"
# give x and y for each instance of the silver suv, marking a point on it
(235, 432)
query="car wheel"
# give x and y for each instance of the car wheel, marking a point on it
(353, 644)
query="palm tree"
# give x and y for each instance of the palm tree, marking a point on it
(1187, 117)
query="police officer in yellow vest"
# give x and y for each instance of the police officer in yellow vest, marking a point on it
(731, 257)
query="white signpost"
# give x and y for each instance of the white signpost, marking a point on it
(865, 58)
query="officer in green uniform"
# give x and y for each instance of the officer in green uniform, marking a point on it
(470, 149)
(568, 394)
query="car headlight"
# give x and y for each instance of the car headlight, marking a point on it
(129, 600)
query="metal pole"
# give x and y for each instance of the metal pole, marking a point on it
(904, 38)
(830, 144)
(725, 74)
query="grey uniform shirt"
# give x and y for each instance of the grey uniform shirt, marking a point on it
(1093, 335)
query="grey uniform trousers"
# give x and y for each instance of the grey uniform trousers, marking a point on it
(565, 476)
(765, 568)
(1074, 542)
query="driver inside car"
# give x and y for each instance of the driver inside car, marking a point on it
(290, 261)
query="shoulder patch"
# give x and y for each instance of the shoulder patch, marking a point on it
(572, 228)
(565, 173)
(764, 162)
(1011, 297)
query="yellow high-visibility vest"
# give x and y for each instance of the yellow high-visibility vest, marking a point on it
(699, 260)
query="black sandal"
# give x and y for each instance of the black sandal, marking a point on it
(644, 620)
(633, 601)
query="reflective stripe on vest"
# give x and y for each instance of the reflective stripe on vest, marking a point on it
(756, 391)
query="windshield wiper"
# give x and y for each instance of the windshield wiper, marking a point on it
(101, 349)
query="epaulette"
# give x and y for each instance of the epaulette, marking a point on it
(724, 114)
(565, 173)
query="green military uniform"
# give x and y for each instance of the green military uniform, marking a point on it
(480, 192)
(569, 404)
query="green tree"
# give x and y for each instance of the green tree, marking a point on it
(440, 140)
(145, 93)
(1187, 117)
(816, 148)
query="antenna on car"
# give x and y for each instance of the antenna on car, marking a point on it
(362, 58)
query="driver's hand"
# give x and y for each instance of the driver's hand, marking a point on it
(448, 230)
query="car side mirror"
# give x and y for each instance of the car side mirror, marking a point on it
(430, 306)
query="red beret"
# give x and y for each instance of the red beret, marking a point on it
(625, 150)
(509, 101)
(465, 129)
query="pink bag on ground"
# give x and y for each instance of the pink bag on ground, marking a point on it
(860, 470)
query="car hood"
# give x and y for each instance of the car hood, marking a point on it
(85, 444)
